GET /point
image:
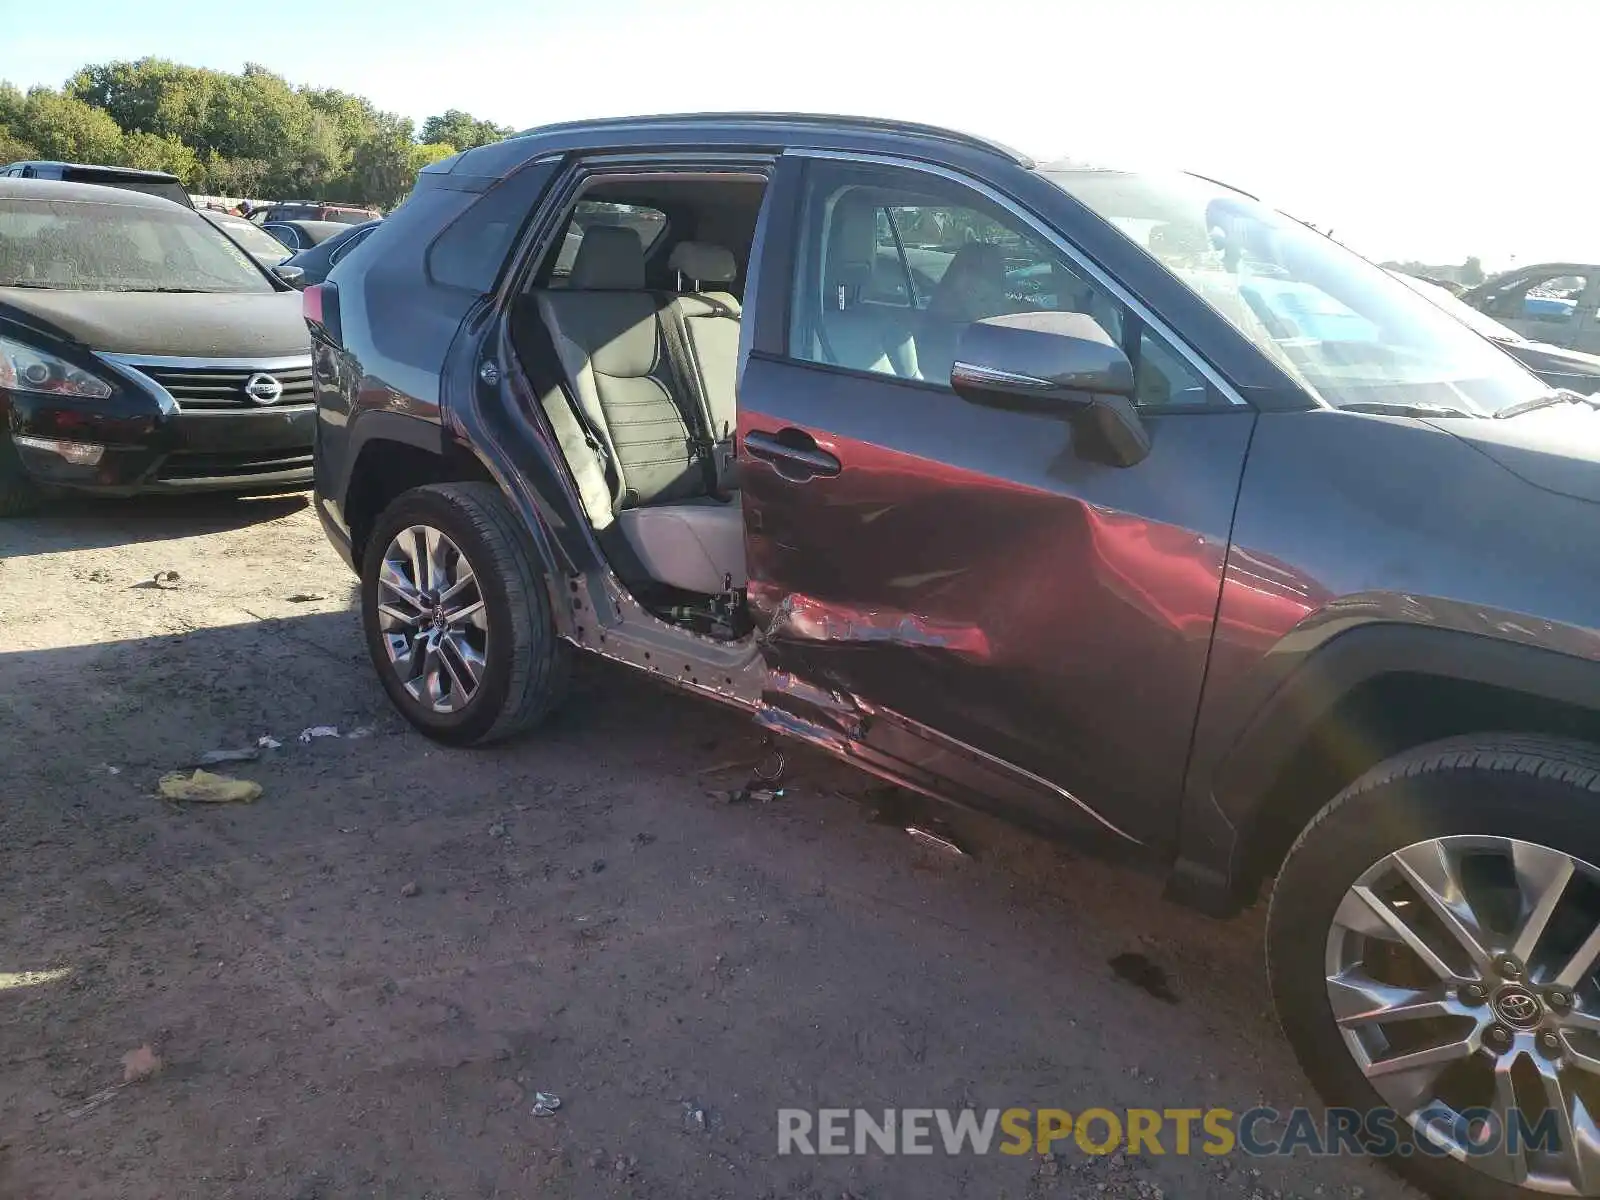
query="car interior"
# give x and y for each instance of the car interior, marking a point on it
(638, 302)
(638, 305)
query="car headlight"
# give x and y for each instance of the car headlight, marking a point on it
(24, 369)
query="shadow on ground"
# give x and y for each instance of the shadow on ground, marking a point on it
(77, 523)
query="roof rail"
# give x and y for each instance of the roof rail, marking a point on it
(873, 124)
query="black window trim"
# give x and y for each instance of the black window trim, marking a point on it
(1218, 385)
(350, 243)
(548, 219)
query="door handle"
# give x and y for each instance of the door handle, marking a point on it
(794, 452)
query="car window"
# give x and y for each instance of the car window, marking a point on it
(650, 223)
(1551, 299)
(253, 238)
(894, 264)
(350, 243)
(287, 234)
(1343, 329)
(74, 245)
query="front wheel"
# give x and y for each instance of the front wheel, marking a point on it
(457, 616)
(1433, 941)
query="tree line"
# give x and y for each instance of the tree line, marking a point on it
(250, 134)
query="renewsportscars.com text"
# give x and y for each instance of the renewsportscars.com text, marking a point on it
(1259, 1132)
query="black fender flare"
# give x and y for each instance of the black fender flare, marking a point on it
(1223, 812)
(376, 426)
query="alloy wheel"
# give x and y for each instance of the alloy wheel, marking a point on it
(1461, 973)
(432, 619)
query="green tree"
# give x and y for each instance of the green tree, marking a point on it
(1472, 271)
(148, 152)
(380, 167)
(65, 128)
(427, 153)
(461, 130)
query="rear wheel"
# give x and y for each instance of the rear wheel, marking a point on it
(1433, 942)
(457, 616)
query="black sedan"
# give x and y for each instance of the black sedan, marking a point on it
(314, 264)
(302, 235)
(142, 350)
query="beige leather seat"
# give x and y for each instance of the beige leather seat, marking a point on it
(631, 393)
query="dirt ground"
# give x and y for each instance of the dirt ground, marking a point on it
(356, 985)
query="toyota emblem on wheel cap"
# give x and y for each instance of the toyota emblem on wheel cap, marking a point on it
(263, 389)
(1517, 1006)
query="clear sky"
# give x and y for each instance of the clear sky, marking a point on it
(1428, 129)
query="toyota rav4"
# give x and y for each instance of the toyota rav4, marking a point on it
(1113, 502)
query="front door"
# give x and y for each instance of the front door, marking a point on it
(946, 583)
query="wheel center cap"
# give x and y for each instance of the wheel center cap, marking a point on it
(1518, 1007)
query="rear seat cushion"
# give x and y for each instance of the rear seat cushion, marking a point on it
(694, 545)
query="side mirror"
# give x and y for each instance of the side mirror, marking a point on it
(293, 276)
(1055, 362)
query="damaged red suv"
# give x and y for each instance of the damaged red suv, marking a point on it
(1113, 502)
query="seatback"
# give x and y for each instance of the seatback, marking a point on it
(710, 321)
(972, 288)
(855, 332)
(609, 342)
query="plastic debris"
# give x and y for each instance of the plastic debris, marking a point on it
(926, 837)
(110, 770)
(267, 742)
(694, 1117)
(318, 731)
(360, 731)
(306, 597)
(212, 757)
(409, 889)
(545, 1104)
(205, 788)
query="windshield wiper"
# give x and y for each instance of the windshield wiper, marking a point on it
(1557, 396)
(1403, 410)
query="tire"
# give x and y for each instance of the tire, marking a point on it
(1534, 789)
(525, 666)
(18, 495)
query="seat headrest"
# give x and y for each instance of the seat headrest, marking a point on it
(609, 258)
(973, 286)
(704, 262)
(852, 241)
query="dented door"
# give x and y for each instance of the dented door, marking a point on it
(955, 596)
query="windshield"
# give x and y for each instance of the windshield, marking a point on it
(1460, 309)
(1345, 330)
(73, 245)
(253, 238)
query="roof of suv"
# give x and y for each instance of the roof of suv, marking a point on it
(58, 189)
(726, 128)
(788, 119)
(127, 172)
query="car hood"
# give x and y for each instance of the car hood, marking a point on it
(183, 324)
(1555, 448)
(1541, 356)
